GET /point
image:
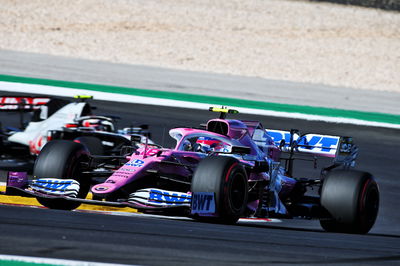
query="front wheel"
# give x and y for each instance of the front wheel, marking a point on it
(352, 200)
(226, 178)
(62, 159)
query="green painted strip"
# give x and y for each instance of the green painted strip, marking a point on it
(309, 110)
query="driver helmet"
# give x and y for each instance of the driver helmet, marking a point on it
(209, 144)
(98, 124)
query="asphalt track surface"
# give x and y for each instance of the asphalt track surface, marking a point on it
(156, 241)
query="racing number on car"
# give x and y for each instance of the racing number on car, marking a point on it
(346, 145)
(345, 148)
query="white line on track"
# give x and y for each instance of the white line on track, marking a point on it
(48, 261)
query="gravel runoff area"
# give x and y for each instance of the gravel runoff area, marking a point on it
(318, 43)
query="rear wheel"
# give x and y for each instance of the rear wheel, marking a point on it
(226, 178)
(62, 159)
(352, 199)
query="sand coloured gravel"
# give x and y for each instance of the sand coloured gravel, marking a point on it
(276, 39)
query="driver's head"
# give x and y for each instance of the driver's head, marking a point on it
(208, 144)
(98, 124)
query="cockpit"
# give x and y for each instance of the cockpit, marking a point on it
(205, 144)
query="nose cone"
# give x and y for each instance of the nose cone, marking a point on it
(103, 189)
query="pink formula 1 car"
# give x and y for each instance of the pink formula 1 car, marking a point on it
(229, 169)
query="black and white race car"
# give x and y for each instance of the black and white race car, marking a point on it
(55, 118)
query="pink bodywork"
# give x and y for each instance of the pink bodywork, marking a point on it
(144, 159)
(151, 158)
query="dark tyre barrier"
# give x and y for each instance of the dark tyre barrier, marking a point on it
(382, 4)
(352, 199)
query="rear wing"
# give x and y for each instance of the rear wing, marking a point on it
(340, 148)
(21, 104)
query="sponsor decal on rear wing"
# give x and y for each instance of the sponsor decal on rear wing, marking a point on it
(18, 103)
(322, 145)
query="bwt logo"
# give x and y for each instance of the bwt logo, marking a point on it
(169, 198)
(54, 185)
(312, 141)
(203, 202)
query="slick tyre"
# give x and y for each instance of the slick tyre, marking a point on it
(93, 144)
(226, 178)
(352, 200)
(62, 159)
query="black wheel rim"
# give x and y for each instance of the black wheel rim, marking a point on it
(238, 192)
(371, 204)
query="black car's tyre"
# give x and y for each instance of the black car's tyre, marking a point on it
(62, 159)
(93, 144)
(352, 199)
(226, 178)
